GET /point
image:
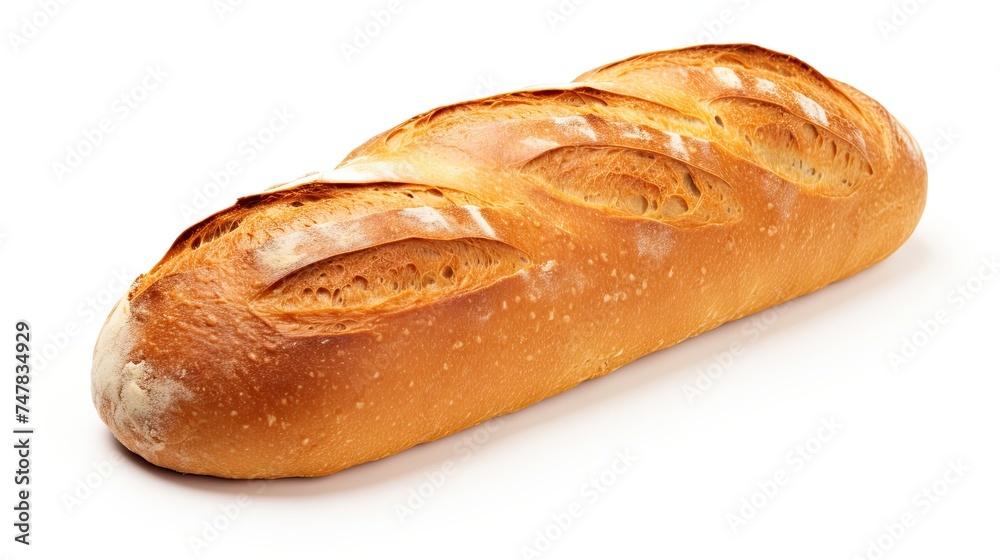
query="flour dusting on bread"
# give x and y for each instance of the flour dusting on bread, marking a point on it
(727, 76)
(811, 108)
(129, 394)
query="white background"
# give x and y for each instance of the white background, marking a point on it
(66, 237)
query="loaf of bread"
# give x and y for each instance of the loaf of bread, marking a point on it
(483, 256)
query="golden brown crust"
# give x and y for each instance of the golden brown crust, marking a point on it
(483, 256)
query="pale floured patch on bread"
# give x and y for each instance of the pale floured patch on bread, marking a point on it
(129, 394)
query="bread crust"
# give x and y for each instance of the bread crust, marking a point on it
(483, 256)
